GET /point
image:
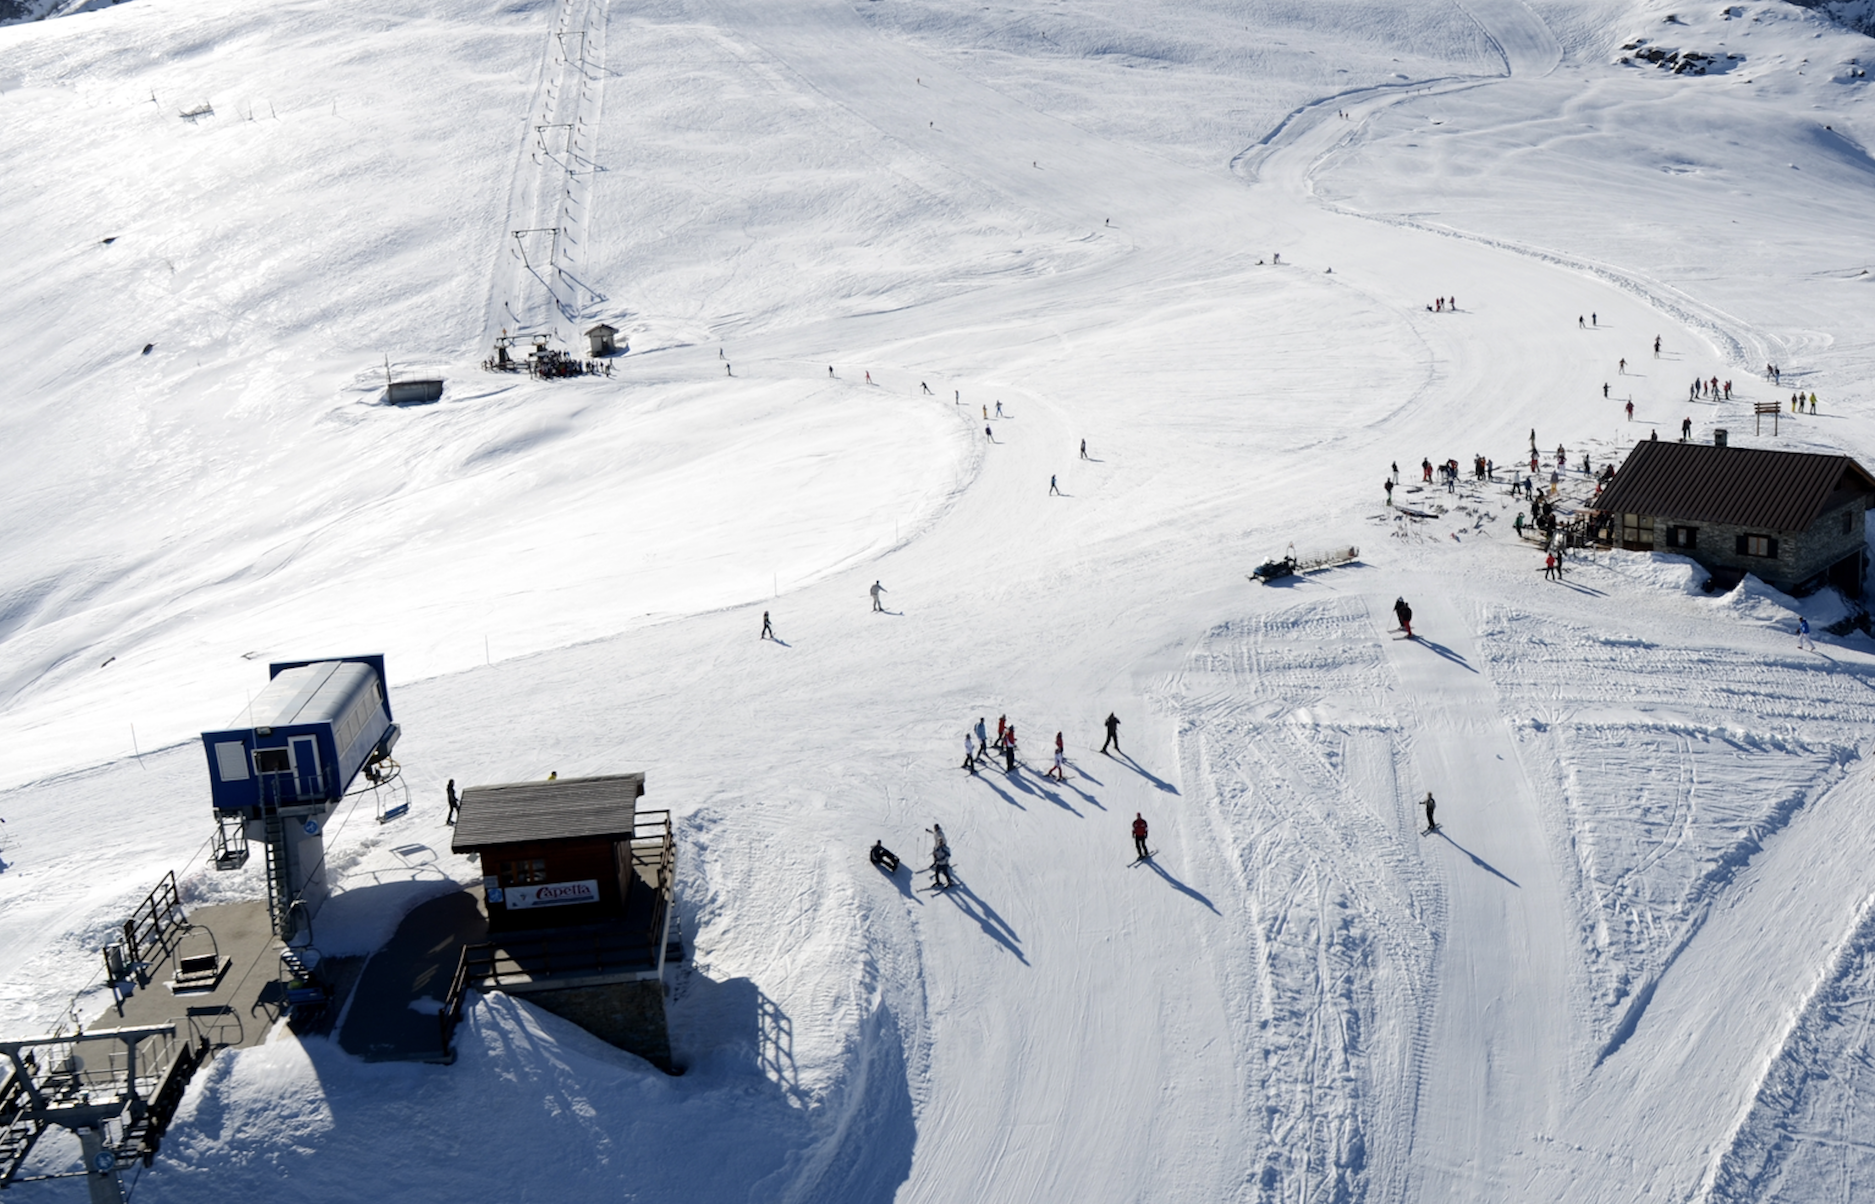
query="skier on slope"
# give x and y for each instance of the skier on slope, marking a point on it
(1113, 733)
(970, 754)
(768, 630)
(1803, 635)
(1139, 836)
(983, 741)
(1009, 750)
(1404, 614)
(941, 864)
(1060, 771)
(1431, 826)
(876, 590)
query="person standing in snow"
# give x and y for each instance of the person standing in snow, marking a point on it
(1002, 729)
(1630, 411)
(1388, 486)
(1517, 524)
(1113, 733)
(455, 804)
(1803, 635)
(1054, 490)
(1139, 836)
(1083, 449)
(970, 755)
(988, 434)
(1604, 388)
(1621, 368)
(1404, 614)
(1060, 771)
(1396, 473)
(1431, 825)
(1009, 751)
(876, 590)
(1549, 566)
(999, 408)
(1656, 346)
(768, 630)
(983, 741)
(941, 867)
(1686, 429)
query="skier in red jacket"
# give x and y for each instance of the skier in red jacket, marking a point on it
(1139, 836)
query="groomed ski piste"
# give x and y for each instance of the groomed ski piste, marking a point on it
(1636, 960)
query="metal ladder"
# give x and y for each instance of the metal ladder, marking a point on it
(279, 884)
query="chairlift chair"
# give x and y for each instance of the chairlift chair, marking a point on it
(199, 962)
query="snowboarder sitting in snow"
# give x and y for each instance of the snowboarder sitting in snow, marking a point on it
(884, 858)
(1404, 614)
(1139, 836)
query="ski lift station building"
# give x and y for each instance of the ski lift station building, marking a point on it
(303, 738)
(298, 747)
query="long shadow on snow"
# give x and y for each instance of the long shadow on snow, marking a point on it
(1127, 760)
(1447, 653)
(529, 1089)
(906, 879)
(992, 924)
(1478, 861)
(1180, 887)
(1007, 797)
(1024, 784)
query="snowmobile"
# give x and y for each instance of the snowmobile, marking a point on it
(1291, 565)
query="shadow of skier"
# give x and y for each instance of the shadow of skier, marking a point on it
(1478, 861)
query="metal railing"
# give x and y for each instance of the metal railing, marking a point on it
(150, 930)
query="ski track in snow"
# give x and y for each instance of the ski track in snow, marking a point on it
(1611, 972)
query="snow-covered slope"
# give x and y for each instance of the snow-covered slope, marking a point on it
(883, 267)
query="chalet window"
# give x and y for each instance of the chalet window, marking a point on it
(1757, 545)
(272, 760)
(1637, 528)
(523, 873)
(1683, 537)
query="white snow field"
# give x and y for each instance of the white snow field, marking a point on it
(1637, 961)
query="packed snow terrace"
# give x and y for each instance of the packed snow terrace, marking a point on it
(1055, 324)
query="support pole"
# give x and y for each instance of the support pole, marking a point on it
(100, 1168)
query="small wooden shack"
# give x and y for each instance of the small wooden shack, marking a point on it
(578, 884)
(554, 853)
(602, 339)
(1795, 520)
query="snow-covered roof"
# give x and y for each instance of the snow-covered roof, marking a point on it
(1741, 486)
(567, 808)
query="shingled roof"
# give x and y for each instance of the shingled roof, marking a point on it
(557, 810)
(1739, 486)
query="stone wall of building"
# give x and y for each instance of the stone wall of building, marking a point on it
(629, 1015)
(1800, 555)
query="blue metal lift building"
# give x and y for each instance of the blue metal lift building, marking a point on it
(302, 743)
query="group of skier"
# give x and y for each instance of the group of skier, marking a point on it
(977, 746)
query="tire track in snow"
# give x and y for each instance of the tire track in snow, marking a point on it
(1305, 802)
